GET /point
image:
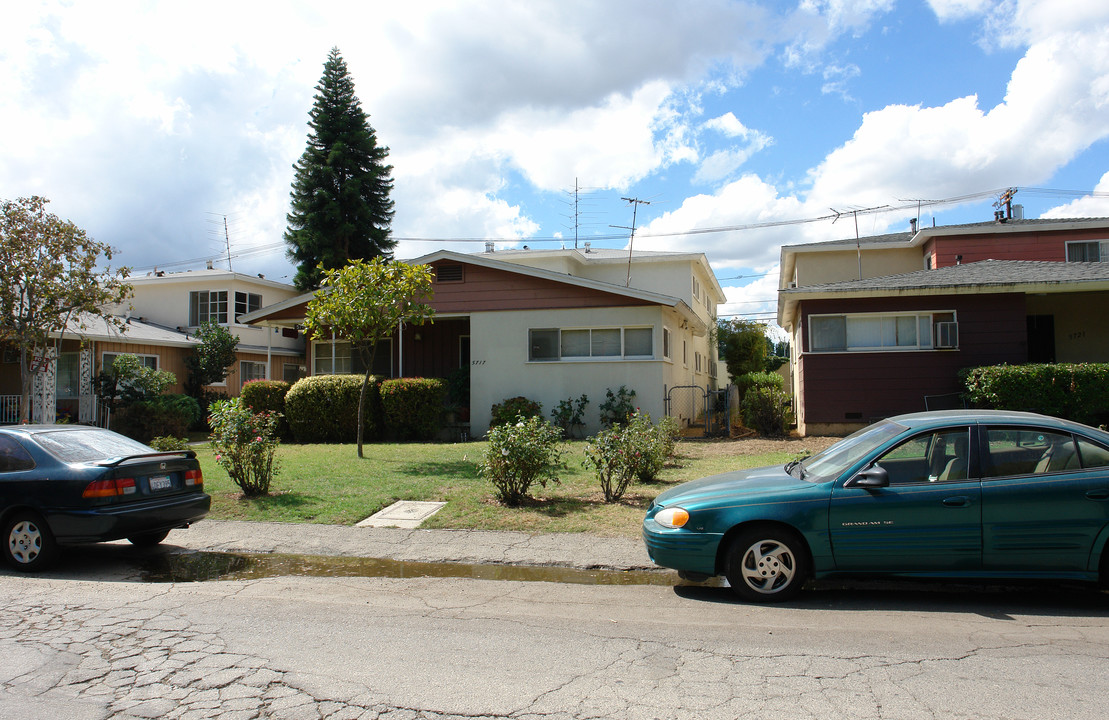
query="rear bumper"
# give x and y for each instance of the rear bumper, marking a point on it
(116, 522)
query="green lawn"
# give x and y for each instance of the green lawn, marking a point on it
(329, 484)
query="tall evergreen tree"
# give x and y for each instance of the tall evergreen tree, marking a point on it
(340, 198)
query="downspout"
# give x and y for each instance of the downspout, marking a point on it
(269, 352)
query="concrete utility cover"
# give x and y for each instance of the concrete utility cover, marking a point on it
(403, 514)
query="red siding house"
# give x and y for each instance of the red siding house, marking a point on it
(883, 325)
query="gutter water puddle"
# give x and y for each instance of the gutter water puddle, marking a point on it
(206, 566)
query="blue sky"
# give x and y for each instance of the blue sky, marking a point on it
(149, 123)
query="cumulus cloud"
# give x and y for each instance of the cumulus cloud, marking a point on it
(1094, 205)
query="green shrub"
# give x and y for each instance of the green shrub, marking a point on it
(147, 420)
(413, 407)
(750, 380)
(520, 454)
(169, 444)
(207, 397)
(245, 444)
(324, 409)
(570, 413)
(767, 411)
(618, 407)
(509, 409)
(268, 396)
(186, 405)
(1077, 392)
(638, 450)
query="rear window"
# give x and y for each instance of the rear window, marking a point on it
(76, 446)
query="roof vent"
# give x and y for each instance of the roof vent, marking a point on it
(209, 265)
(1018, 212)
(912, 225)
(488, 246)
(587, 246)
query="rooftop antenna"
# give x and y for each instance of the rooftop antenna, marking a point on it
(858, 244)
(635, 203)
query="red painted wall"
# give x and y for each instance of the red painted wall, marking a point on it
(865, 386)
(1044, 246)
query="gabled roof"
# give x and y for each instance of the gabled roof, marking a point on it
(206, 276)
(987, 276)
(487, 261)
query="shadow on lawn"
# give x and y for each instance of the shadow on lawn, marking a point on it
(279, 501)
(452, 469)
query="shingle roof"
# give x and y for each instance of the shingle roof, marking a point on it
(987, 273)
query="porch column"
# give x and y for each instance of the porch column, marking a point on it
(86, 411)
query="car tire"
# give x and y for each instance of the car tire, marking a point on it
(767, 564)
(29, 546)
(148, 539)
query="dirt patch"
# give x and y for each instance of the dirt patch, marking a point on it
(727, 447)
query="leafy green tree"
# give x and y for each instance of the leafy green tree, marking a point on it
(363, 303)
(50, 282)
(340, 198)
(211, 359)
(742, 344)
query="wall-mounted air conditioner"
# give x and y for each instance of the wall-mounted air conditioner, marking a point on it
(947, 335)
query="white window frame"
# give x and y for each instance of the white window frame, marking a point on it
(667, 343)
(226, 314)
(930, 317)
(243, 379)
(558, 344)
(250, 306)
(330, 346)
(106, 366)
(1101, 245)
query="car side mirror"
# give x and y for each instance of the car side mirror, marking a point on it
(873, 477)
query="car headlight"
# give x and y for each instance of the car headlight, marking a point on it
(672, 517)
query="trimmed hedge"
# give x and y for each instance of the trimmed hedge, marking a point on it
(1077, 392)
(268, 396)
(166, 415)
(324, 409)
(413, 407)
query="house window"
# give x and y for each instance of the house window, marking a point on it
(336, 358)
(207, 306)
(1084, 251)
(291, 372)
(108, 359)
(872, 331)
(666, 344)
(246, 303)
(251, 371)
(546, 344)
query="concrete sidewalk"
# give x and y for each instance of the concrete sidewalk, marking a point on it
(572, 550)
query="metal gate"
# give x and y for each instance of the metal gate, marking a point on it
(700, 412)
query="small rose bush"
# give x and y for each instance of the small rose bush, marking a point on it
(634, 451)
(521, 454)
(245, 443)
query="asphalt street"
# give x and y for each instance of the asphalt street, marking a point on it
(93, 640)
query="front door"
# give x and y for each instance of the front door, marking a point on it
(928, 518)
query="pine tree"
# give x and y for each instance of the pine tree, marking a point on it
(340, 198)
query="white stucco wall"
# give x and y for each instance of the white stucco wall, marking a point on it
(500, 367)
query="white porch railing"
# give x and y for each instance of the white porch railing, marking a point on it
(9, 409)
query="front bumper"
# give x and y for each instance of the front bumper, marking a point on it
(680, 549)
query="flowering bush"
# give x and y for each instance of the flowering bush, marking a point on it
(621, 454)
(508, 410)
(245, 443)
(618, 407)
(519, 454)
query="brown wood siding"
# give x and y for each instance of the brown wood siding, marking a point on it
(863, 386)
(486, 289)
(171, 359)
(1044, 246)
(436, 353)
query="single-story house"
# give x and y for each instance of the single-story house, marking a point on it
(550, 325)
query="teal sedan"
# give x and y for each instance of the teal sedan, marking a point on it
(956, 494)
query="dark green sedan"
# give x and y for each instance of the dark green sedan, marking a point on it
(955, 494)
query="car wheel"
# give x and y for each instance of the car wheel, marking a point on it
(767, 565)
(29, 546)
(148, 539)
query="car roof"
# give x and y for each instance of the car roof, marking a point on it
(38, 429)
(938, 417)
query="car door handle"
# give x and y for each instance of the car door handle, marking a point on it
(957, 501)
(1101, 494)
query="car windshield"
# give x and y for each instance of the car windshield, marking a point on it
(76, 446)
(831, 463)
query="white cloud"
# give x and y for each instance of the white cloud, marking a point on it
(1093, 205)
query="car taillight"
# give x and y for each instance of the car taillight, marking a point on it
(194, 478)
(110, 488)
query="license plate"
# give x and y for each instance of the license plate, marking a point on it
(162, 482)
